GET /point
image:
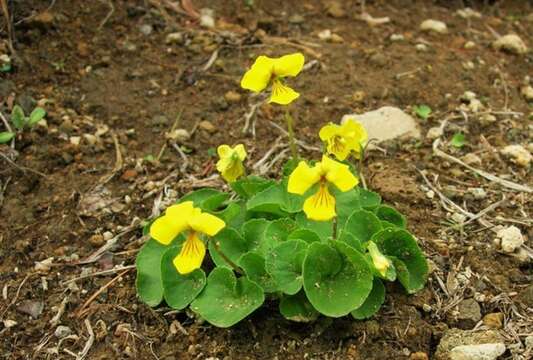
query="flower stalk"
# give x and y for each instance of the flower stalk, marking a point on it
(290, 130)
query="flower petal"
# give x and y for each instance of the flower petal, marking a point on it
(355, 134)
(259, 75)
(289, 65)
(339, 174)
(168, 226)
(320, 206)
(206, 224)
(302, 178)
(191, 255)
(224, 151)
(241, 151)
(381, 263)
(233, 171)
(282, 94)
(328, 131)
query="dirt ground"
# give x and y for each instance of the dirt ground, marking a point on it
(113, 85)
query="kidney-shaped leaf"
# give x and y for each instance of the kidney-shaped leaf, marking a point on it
(337, 279)
(391, 215)
(227, 300)
(410, 263)
(149, 284)
(372, 303)
(253, 265)
(284, 264)
(231, 244)
(179, 290)
(297, 308)
(363, 224)
(206, 199)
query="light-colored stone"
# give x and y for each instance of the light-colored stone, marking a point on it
(207, 18)
(511, 43)
(431, 25)
(477, 352)
(75, 140)
(387, 123)
(397, 37)
(174, 38)
(108, 235)
(207, 126)
(9, 323)
(45, 265)
(471, 159)
(454, 338)
(493, 320)
(324, 35)
(232, 96)
(421, 47)
(478, 193)
(510, 238)
(469, 45)
(468, 96)
(178, 135)
(527, 92)
(517, 154)
(62, 331)
(468, 13)
(435, 132)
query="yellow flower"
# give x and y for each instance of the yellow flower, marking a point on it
(267, 71)
(341, 140)
(381, 263)
(321, 206)
(185, 217)
(230, 164)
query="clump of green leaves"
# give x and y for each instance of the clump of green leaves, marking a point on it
(21, 122)
(331, 268)
(458, 140)
(422, 111)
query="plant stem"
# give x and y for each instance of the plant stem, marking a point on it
(334, 235)
(226, 259)
(290, 130)
(360, 171)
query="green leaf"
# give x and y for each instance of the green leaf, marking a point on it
(253, 265)
(254, 231)
(350, 239)
(250, 186)
(284, 264)
(276, 200)
(276, 232)
(36, 115)
(206, 199)
(346, 203)
(423, 111)
(179, 290)
(409, 261)
(17, 117)
(304, 234)
(369, 200)
(289, 166)
(363, 224)
(297, 308)
(391, 215)
(231, 243)
(337, 279)
(227, 300)
(6, 136)
(148, 263)
(373, 302)
(324, 229)
(233, 215)
(458, 140)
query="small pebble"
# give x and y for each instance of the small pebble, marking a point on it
(108, 235)
(517, 154)
(96, 240)
(436, 26)
(62, 331)
(493, 320)
(471, 159)
(511, 43)
(397, 37)
(511, 238)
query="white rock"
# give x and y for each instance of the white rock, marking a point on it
(178, 135)
(386, 123)
(75, 140)
(62, 331)
(511, 43)
(478, 193)
(45, 265)
(421, 47)
(434, 25)
(458, 218)
(527, 92)
(469, 45)
(475, 105)
(518, 154)
(510, 238)
(468, 13)
(471, 159)
(207, 18)
(325, 35)
(487, 119)
(90, 139)
(468, 96)
(108, 235)
(477, 352)
(174, 38)
(529, 342)
(9, 323)
(434, 132)
(397, 37)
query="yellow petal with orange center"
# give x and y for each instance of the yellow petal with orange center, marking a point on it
(206, 223)
(320, 206)
(338, 174)
(191, 255)
(168, 226)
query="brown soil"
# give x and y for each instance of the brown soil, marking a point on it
(114, 80)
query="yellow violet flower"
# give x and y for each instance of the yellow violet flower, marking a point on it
(267, 71)
(185, 217)
(341, 140)
(321, 206)
(230, 164)
(381, 263)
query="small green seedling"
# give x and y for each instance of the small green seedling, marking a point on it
(458, 140)
(20, 122)
(422, 111)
